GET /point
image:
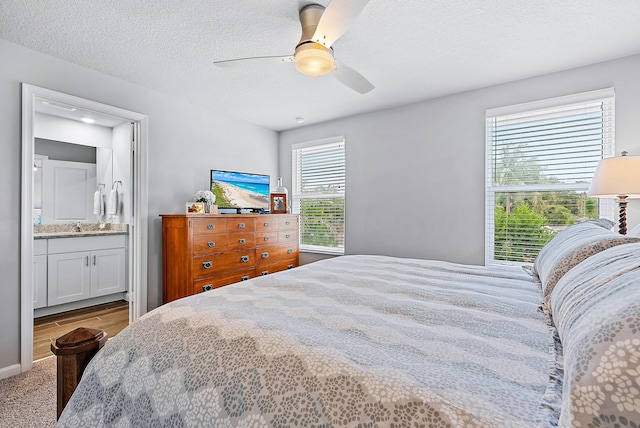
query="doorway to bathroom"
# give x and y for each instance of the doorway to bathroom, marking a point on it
(84, 214)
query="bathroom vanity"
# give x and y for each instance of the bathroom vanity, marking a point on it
(78, 266)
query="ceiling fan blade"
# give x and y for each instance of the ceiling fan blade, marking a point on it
(253, 61)
(336, 20)
(351, 78)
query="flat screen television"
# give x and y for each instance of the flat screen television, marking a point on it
(240, 190)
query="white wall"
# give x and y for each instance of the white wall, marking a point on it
(71, 131)
(185, 142)
(415, 174)
(104, 172)
(121, 161)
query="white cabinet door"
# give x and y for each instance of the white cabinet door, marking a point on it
(69, 277)
(107, 272)
(68, 189)
(39, 281)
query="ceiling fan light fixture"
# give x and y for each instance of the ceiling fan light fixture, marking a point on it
(313, 56)
(314, 59)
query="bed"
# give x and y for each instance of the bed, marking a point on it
(366, 341)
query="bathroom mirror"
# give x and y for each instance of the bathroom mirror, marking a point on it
(65, 178)
(80, 156)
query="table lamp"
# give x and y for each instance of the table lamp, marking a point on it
(617, 178)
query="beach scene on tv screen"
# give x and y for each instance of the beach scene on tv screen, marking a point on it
(240, 190)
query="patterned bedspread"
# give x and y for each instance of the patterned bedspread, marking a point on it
(355, 341)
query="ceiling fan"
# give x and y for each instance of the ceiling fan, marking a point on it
(313, 55)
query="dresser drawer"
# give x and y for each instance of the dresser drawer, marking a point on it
(266, 238)
(238, 241)
(275, 253)
(288, 236)
(209, 225)
(287, 223)
(240, 225)
(266, 224)
(207, 244)
(277, 267)
(212, 243)
(206, 284)
(208, 265)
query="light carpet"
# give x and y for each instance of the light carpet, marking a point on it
(29, 399)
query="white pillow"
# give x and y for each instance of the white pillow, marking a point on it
(635, 231)
(571, 246)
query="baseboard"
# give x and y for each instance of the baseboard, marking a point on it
(50, 356)
(9, 371)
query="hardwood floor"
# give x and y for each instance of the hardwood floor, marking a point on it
(110, 317)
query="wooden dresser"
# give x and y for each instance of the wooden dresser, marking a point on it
(202, 252)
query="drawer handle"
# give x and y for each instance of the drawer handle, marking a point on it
(207, 265)
(287, 223)
(242, 241)
(265, 255)
(211, 244)
(290, 250)
(244, 278)
(207, 287)
(267, 224)
(289, 266)
(211, 226)
(241, 225)
(266, 238)
(244, 259)
(287, 236)
(265, 272)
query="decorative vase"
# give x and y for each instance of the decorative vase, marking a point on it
(280, 188)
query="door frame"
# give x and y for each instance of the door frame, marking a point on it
(138, 224)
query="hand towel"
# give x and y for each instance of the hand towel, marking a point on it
(97, 202)
(113, 202)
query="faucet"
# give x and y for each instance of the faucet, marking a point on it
(78, 227)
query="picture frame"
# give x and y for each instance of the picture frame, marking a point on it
(195, 207)
(278, 203)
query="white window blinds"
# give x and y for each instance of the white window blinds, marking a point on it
(539, 166)
(318, 171)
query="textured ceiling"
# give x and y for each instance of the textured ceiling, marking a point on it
(409, 49)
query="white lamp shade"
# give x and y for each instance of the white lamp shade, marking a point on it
(314, 59)
(614, 177)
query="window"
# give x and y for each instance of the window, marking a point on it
(318, 171)
(540, 159)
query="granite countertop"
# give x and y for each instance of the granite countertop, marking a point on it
(47, 231)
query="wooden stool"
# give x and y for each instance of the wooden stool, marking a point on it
(74, 350)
